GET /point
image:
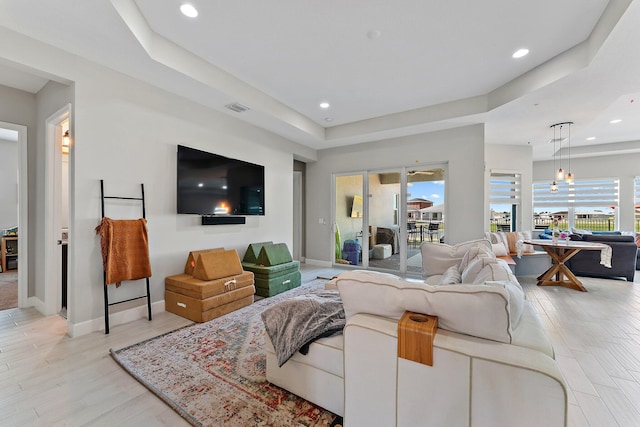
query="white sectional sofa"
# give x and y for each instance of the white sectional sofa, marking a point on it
(493, 364)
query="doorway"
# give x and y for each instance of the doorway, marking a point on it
(58, 147)
(15, 259)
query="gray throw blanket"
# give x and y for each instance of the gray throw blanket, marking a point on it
(295, 323)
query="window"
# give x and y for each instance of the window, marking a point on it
(585, 204)
(504, 200)
(636, 204)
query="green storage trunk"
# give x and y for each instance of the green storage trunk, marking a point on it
(278, 284)
(274, 270)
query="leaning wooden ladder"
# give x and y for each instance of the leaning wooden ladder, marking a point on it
(104, 275)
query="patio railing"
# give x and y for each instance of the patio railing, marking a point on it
(593, 224)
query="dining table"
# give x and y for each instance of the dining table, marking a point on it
(560, 251)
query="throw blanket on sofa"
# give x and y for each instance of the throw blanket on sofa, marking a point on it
(295, 323)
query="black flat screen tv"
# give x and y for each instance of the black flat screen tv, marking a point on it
(210, 184)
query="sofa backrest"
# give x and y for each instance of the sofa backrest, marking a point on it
(490, 310)
(606, 238)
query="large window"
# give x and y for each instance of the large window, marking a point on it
(636, 204)
(585, 204)
(504, 200)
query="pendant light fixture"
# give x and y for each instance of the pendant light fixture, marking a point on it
(560, 174)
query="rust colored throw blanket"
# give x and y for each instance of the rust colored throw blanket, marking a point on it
(125, 249)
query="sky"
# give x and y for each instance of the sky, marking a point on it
(430, 190)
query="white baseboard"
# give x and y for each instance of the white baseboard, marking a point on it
(115, 319)
(37, 303)
(318, 262)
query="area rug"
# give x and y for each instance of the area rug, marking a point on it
(213, 373)
(8, 290)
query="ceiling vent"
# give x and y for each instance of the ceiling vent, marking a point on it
(237, 107)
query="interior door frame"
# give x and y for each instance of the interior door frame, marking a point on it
(23, 212)
(52, 202)
(297, 216)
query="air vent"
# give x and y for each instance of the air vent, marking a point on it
(237, 107)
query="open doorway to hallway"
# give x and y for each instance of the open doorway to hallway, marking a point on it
(12, 216)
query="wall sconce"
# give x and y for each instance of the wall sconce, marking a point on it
(65, 142)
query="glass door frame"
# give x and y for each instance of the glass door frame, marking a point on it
(402, 213)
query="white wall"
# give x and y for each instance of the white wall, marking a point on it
(8, 184)
(461, 148)
(512, 158)
(624, 167)
(126, 132)
(19, 107)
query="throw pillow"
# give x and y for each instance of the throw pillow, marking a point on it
(469, 274)
(499, 249)
(474, 253)
(492, 272)
(525, 235)
(451, 276)
(437, 257)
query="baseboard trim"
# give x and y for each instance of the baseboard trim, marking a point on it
(318, 262)
(115, 319)
(37, 303)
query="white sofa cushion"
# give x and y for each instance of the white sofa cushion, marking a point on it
(437, 257)
(477, 310)
(516, 297)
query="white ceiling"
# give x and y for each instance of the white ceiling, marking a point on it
(388, 68)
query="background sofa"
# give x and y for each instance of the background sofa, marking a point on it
(624, 253)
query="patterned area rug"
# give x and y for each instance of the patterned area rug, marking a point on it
(213, 373)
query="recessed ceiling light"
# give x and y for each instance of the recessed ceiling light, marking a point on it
(200, 184)
(189, 10)
(591, 138)
(328, 119)
(614, 121)
(324, 105)
(520, 53)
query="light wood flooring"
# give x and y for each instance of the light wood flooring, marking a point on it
(48, 379)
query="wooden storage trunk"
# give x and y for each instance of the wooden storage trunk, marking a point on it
(186, 284)
(203, 310)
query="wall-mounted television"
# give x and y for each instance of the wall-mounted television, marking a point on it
(210, 184)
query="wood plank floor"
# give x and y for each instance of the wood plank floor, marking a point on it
(48, 379)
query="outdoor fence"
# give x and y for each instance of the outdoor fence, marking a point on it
(593, 224)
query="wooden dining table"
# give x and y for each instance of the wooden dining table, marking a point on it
(559, 274)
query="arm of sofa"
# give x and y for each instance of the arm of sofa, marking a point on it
(487, 382)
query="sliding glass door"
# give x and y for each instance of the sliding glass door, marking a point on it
(385, 220)
(348, 219)
(425, 203)
(382, 217)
